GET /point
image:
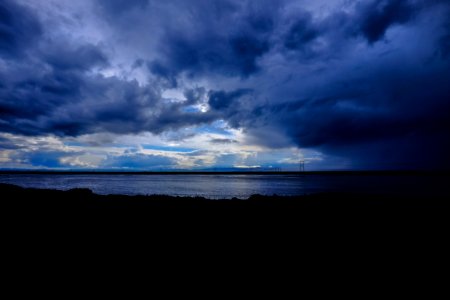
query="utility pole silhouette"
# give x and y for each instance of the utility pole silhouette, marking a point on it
(302, 166)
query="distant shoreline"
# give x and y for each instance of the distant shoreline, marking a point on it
(356, 173)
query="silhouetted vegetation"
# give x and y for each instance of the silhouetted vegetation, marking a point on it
(81, 199)
(286, 223)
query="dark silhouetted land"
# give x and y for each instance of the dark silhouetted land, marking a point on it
(81, 201)
(330, 225)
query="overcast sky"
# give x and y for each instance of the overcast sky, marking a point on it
(197, 84)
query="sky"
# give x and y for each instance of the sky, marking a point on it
(224, 84)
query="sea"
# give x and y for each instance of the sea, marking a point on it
(242, 186)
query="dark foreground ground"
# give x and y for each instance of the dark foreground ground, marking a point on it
(271, 238)
(82, 203)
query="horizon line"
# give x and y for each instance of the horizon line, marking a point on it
(221, 172)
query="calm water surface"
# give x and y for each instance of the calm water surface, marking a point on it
(229, 186)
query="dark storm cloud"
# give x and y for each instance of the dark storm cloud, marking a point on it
(223, 37)
(55, 91)
(78, 58)
(194, 96)
(301, 32)
(390, 115)
(19, 29)
(201, 37)
(372, 19)
(325, 38)
(393, 119)
(375, 17)
(221, 100)
(72, 102)
(368, 80)
(234, 55)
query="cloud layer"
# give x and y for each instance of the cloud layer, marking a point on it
(367, 81)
